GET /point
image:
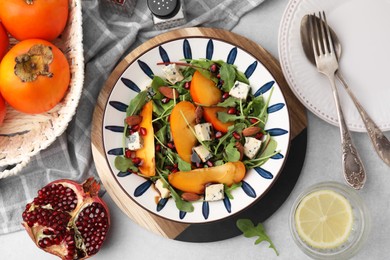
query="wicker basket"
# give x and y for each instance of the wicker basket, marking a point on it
(23, 136)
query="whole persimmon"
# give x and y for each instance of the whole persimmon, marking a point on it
(34, 76)
(28, 19)
(4, 41)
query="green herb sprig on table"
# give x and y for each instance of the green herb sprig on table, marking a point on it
(250, 230)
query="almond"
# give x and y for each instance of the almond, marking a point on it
(240, 148)
(252, 130)
(168, 92)
(198, 114)
(133, 120)
(188, 196)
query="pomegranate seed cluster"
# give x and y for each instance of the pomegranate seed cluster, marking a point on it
(58, 196)
(92, 223)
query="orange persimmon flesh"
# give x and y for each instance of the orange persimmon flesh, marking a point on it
(146, 153)
(194, 181)
(203, 91)
(210, 114)
(182, 135)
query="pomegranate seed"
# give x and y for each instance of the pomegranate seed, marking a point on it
(259, 135)
(253, 120)
(187, 85)
(225, 95)
(143, 131)
(210, 163)
(236, 135)
(232, 111)
(218, 75)
(135, 128)
(141, 163)
(165, 100)
(175, 170)
(171, 145)
(158, 147)
(213, 68)
(218, 134)
(136, 160)
(199, 165)
(133, 154)
(127, 153)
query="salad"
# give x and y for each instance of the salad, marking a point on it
(196, 132)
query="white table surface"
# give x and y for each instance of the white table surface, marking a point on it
(130, 241)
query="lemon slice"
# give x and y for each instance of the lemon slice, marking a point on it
(324, 219)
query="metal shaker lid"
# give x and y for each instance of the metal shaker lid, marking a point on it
(164, 9)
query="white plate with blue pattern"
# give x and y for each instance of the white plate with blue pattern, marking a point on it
(138, 75)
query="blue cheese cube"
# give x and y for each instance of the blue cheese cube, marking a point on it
(240, 90)
(203, 131)
(164, 192)
(203, 153)
(251, 147)
(214, 192)
(172, 73)
(134, 141)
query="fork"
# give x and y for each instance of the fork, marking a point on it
(327, 64)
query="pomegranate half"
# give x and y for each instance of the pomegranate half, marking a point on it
(68, 219)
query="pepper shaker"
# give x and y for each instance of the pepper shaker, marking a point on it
(167, 13)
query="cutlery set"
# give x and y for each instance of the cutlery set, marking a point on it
(323, 49)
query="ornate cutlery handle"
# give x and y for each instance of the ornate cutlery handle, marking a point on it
(378, 139)
(354, 172)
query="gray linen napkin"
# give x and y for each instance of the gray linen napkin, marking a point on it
(108, 36)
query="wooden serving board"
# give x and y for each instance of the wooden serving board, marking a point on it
(219, 230)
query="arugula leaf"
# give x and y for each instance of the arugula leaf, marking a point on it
(161, 134)
(236, 127)
(225, 117)
(256, 106)
(250, 230)
(181, 204)
(240, 76)
(183, 165)
(124, 164)
(228, 75)
(228, 190)
(231, 153)
(187, 73)
(137, 103)
(229, 102)
(156, 83)
(269, 146)
(218, 162)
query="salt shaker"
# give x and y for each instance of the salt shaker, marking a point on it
(167, 13)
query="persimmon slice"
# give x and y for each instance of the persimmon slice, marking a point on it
(203, 91)
(181, 119)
